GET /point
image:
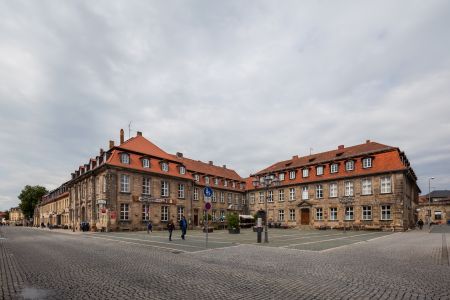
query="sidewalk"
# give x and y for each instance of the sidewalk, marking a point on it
(11, 281)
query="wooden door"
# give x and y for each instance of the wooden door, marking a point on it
(304, 216)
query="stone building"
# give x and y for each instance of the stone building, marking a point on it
(16, 216)
(434, 207)
(368, 186)
(54, 208)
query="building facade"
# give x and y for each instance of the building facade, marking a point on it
(434, 207)
(16, 216)
(369, 186)
(54, 208)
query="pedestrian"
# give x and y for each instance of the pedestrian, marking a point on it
(183, 226)
(420, 223)
(170, 227)
(149, 227)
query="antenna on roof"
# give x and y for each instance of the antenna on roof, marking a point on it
(129, 130)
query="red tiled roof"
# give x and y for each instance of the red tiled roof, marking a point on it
(142, 145)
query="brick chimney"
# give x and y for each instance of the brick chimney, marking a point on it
(295, 157)
(101, 151)
(139, 133)
(224, 166)
(211, 162)
(340, 147)
(111, 144)
(122, 138)
(179, 154)
(367, 141)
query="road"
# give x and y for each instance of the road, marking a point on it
(44, 264)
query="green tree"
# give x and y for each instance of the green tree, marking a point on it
(7, 215)
(29, 197)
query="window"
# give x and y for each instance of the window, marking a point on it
(319, 191)
(146, 186)
(281, 176)
(180, 191)
(291, 214)
(222, 197)
(180, 212)
(244, 200)
(214, 215)
(366, 186)
(281, 215)
(164, 188)
(319, 170)
(124, 183)
(305, 172)
(319, 214)
(385, 212)
(349, 213)
(261, 197)
(270, 197)
(145, 212)
(164, 213)
(333, 213)
(216, 181)
(124, 211)
(292, 194)
(222, 215)
(125, 158)
(385, 184)
(252, 198)
(195, 193)
(350, 165)
(104, 184)
(348, 188)
(145, 163)
(225, 183)
(214, 197)
(206, 179)
(367, 162)
(305, 193)
(367, 213)
(333, 190)
(229, 198)
(236, 199)
(165, 167)
(291, 174)
(281, 195)
(334, 168)
(182, 170)
(233, 184)
(196, 177)
(437, 215)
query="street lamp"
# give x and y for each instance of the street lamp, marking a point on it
(265, 182)
(429, 198)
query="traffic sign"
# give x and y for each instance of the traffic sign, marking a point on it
(208, 192)
(207, 205)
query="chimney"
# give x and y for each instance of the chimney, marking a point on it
(179, 154)
(101, 151)
(210, 162)
(139, 133)
(367, 141)
(294, 157)
(340, 147)
(111, 144)
(122, 139)
(224, 166)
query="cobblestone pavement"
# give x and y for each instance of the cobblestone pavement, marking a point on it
(41, 264)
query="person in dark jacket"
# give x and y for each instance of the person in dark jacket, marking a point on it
(420, 223)
(183, 226)
(149, 227)
(170, 227)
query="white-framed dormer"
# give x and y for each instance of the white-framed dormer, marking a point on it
(367, 162)
(125, 158)
(145, 162)
(182, 169)
(350, 165)
(164, 166)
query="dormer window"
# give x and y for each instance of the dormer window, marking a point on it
(292, 174)
(196, 177)
(319, 170)
(182, 170)
(225, 183)
(334, 168)
(350, 165)
(165, 167)
(367, 162)
(146, 163)
(233, 184)
(216, 181)
(125, 158)
(281, 176)
(305, 173)
(206, 179)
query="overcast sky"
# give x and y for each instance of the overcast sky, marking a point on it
(241, 83)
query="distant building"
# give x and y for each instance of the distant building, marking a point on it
(16, 216)
(435, 207)
(54, 208)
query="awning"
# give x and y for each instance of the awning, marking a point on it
(246, 217)
(438, 213)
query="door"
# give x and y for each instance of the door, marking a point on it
(304, 216)
(195, 217)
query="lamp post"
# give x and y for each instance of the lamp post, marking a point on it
(265, 182)
(429, 198)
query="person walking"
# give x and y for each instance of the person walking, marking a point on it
(170, 227)
(420, 223)
(149, 227)
(183, 226)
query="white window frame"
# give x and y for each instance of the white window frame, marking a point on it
(305, 192)
(281, 177)
(229, 198)
(164, 188)
(292, 175)
(180, 212)
(386, 213)
(291, 214)
(225, 182)
(333, 213)
(146, 163)
(333, 190)
(145, 212)
(281, 195)
(125, 158)
(214, 197)
(146, 186)
(216, 181)
(233, 184)
(367, 162)
(291, 194)
(196, 194)
(104, 183)
(334, 168)
(164, 213)
(182, 170)
(319, 191)
(207, 179)
(124, 212)
(252, 198)
(181, 191)
(350, 165)
(124, 183)
(305, 172)
(319, 170)
(281, 215)
(196, 177)
(349, 188)
(222, 197)
(319, 214)
(349, 213)
(386, 185)
(367, 212)
(366, 186)
(165, 167)
(261, 197)
(270, 196)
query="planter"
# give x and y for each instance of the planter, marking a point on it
(234, 230)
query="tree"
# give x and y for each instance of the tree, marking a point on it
(29, 197)
(7, 215)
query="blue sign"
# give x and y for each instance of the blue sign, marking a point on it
(208, 192)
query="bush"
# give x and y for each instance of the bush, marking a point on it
(233, 221)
